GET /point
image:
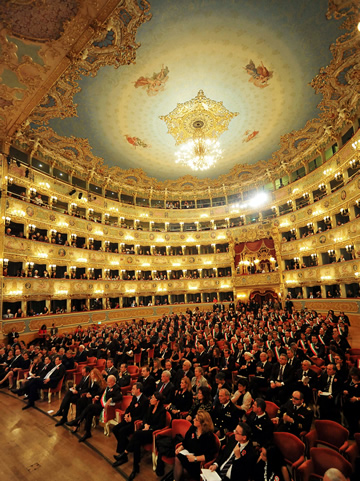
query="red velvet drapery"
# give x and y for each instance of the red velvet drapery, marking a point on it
(254, 247)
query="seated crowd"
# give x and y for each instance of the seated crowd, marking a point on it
(218, 370)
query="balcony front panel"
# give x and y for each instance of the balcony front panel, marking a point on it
(254, 280)
(23, 288)
(336, 273)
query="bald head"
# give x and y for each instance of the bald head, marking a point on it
(333, 474)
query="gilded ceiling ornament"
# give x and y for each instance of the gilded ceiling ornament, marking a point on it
(198, 115)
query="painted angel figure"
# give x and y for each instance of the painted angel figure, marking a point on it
(259, 75)
(154, 84)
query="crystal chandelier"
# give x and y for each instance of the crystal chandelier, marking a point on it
(196, 126)
(199, 153)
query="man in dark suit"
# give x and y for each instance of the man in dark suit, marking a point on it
(111, 395)
(280, 380)
(110, 369)
(147, 381)
(262, 375)
(166, 388)
(72, 396)
(305, 380)
(227, 364)
(50, 380)
(330, 386)
(136, 410)
(81, 355)
(201, 358)
(225, 415)
(237, 460)
(182, 372)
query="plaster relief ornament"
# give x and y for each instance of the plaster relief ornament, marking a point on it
(196, 126)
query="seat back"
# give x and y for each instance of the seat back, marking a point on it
(133, 370)
(137, 358)
(125, 402)
(100, 364)
(324, 458)
(179, 426)
(317, 361)
(290, 446)
(151, 353)
(353, 450)
(58, 387)
(272, 409)
(331, 433)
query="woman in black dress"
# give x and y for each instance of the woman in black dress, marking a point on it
(200, 441)
(203, 401)
(183, 398)
(154, 419)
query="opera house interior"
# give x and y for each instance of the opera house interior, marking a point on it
(185, 167)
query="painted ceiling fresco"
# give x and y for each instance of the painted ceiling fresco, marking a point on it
(257, 57)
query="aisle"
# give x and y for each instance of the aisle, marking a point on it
(33, 449)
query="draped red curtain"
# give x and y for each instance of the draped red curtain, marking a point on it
(254, 247)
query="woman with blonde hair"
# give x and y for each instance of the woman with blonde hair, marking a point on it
(183, 398)
(201, 442)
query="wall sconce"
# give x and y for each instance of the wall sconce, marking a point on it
(107, 216)
(53, 232)
(73, 268)
(349, 248)
(91, 241)
(356, 145)
(292, 231)
(52, 267)
(91, 269)
(306, 195)
(7, 220)
(73, 237)
(54, 199)
(322, 187)
(344, 212)
(353, 163)
(296, 259)
(73, 205)
(32, 192)
(10, 180)
(331, 253)
(289, 202)
(309, 225)
(32, 228)
(5, 262)
(313, 256)
(327, 220)
(30, 265)
(338, 176)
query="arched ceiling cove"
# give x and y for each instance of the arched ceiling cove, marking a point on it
(207, 45)
(84, 84)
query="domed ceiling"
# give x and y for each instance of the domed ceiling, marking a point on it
(258, 58)
(86, 84)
